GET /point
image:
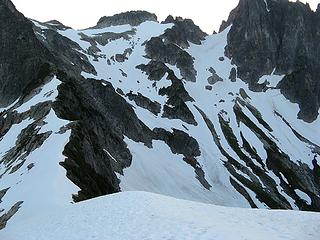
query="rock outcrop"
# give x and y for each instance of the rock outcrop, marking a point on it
(22, 55)
(183, 32)
(94, 154)
(280, 35)
(158, 50)
(134, 18)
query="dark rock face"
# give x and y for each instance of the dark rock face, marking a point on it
(181, 143)
(168, 48)
(22, 55)
(184, 30)
(66, 53)
(134, 18)
(208, 87)
(214, 78)
(285, 38)
(6, 217)
(170, 53)
(145, 102)
(55, 24)
(176, 107)
(154, 69)
(303, 86)
(102, 118)
(2, 193)
(230, 20)
(233, 75)
(256, 53)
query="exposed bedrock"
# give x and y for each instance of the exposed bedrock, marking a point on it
(281, 35)
(134, 18)
(22, 55)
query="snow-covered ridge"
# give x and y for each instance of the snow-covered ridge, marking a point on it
(141, 215)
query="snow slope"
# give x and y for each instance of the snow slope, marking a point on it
(38, 180)
(141, 215)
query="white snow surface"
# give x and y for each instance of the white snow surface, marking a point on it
(45, 186)
(141, 215)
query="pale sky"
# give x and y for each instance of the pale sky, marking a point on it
(80, 14)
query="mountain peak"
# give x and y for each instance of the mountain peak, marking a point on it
(183, 31)
(133, 18)
(10, 6)
(268, 35)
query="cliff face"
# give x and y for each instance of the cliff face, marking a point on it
(280, 35)
(21, 54)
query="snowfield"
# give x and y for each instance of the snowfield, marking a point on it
(141, 215)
